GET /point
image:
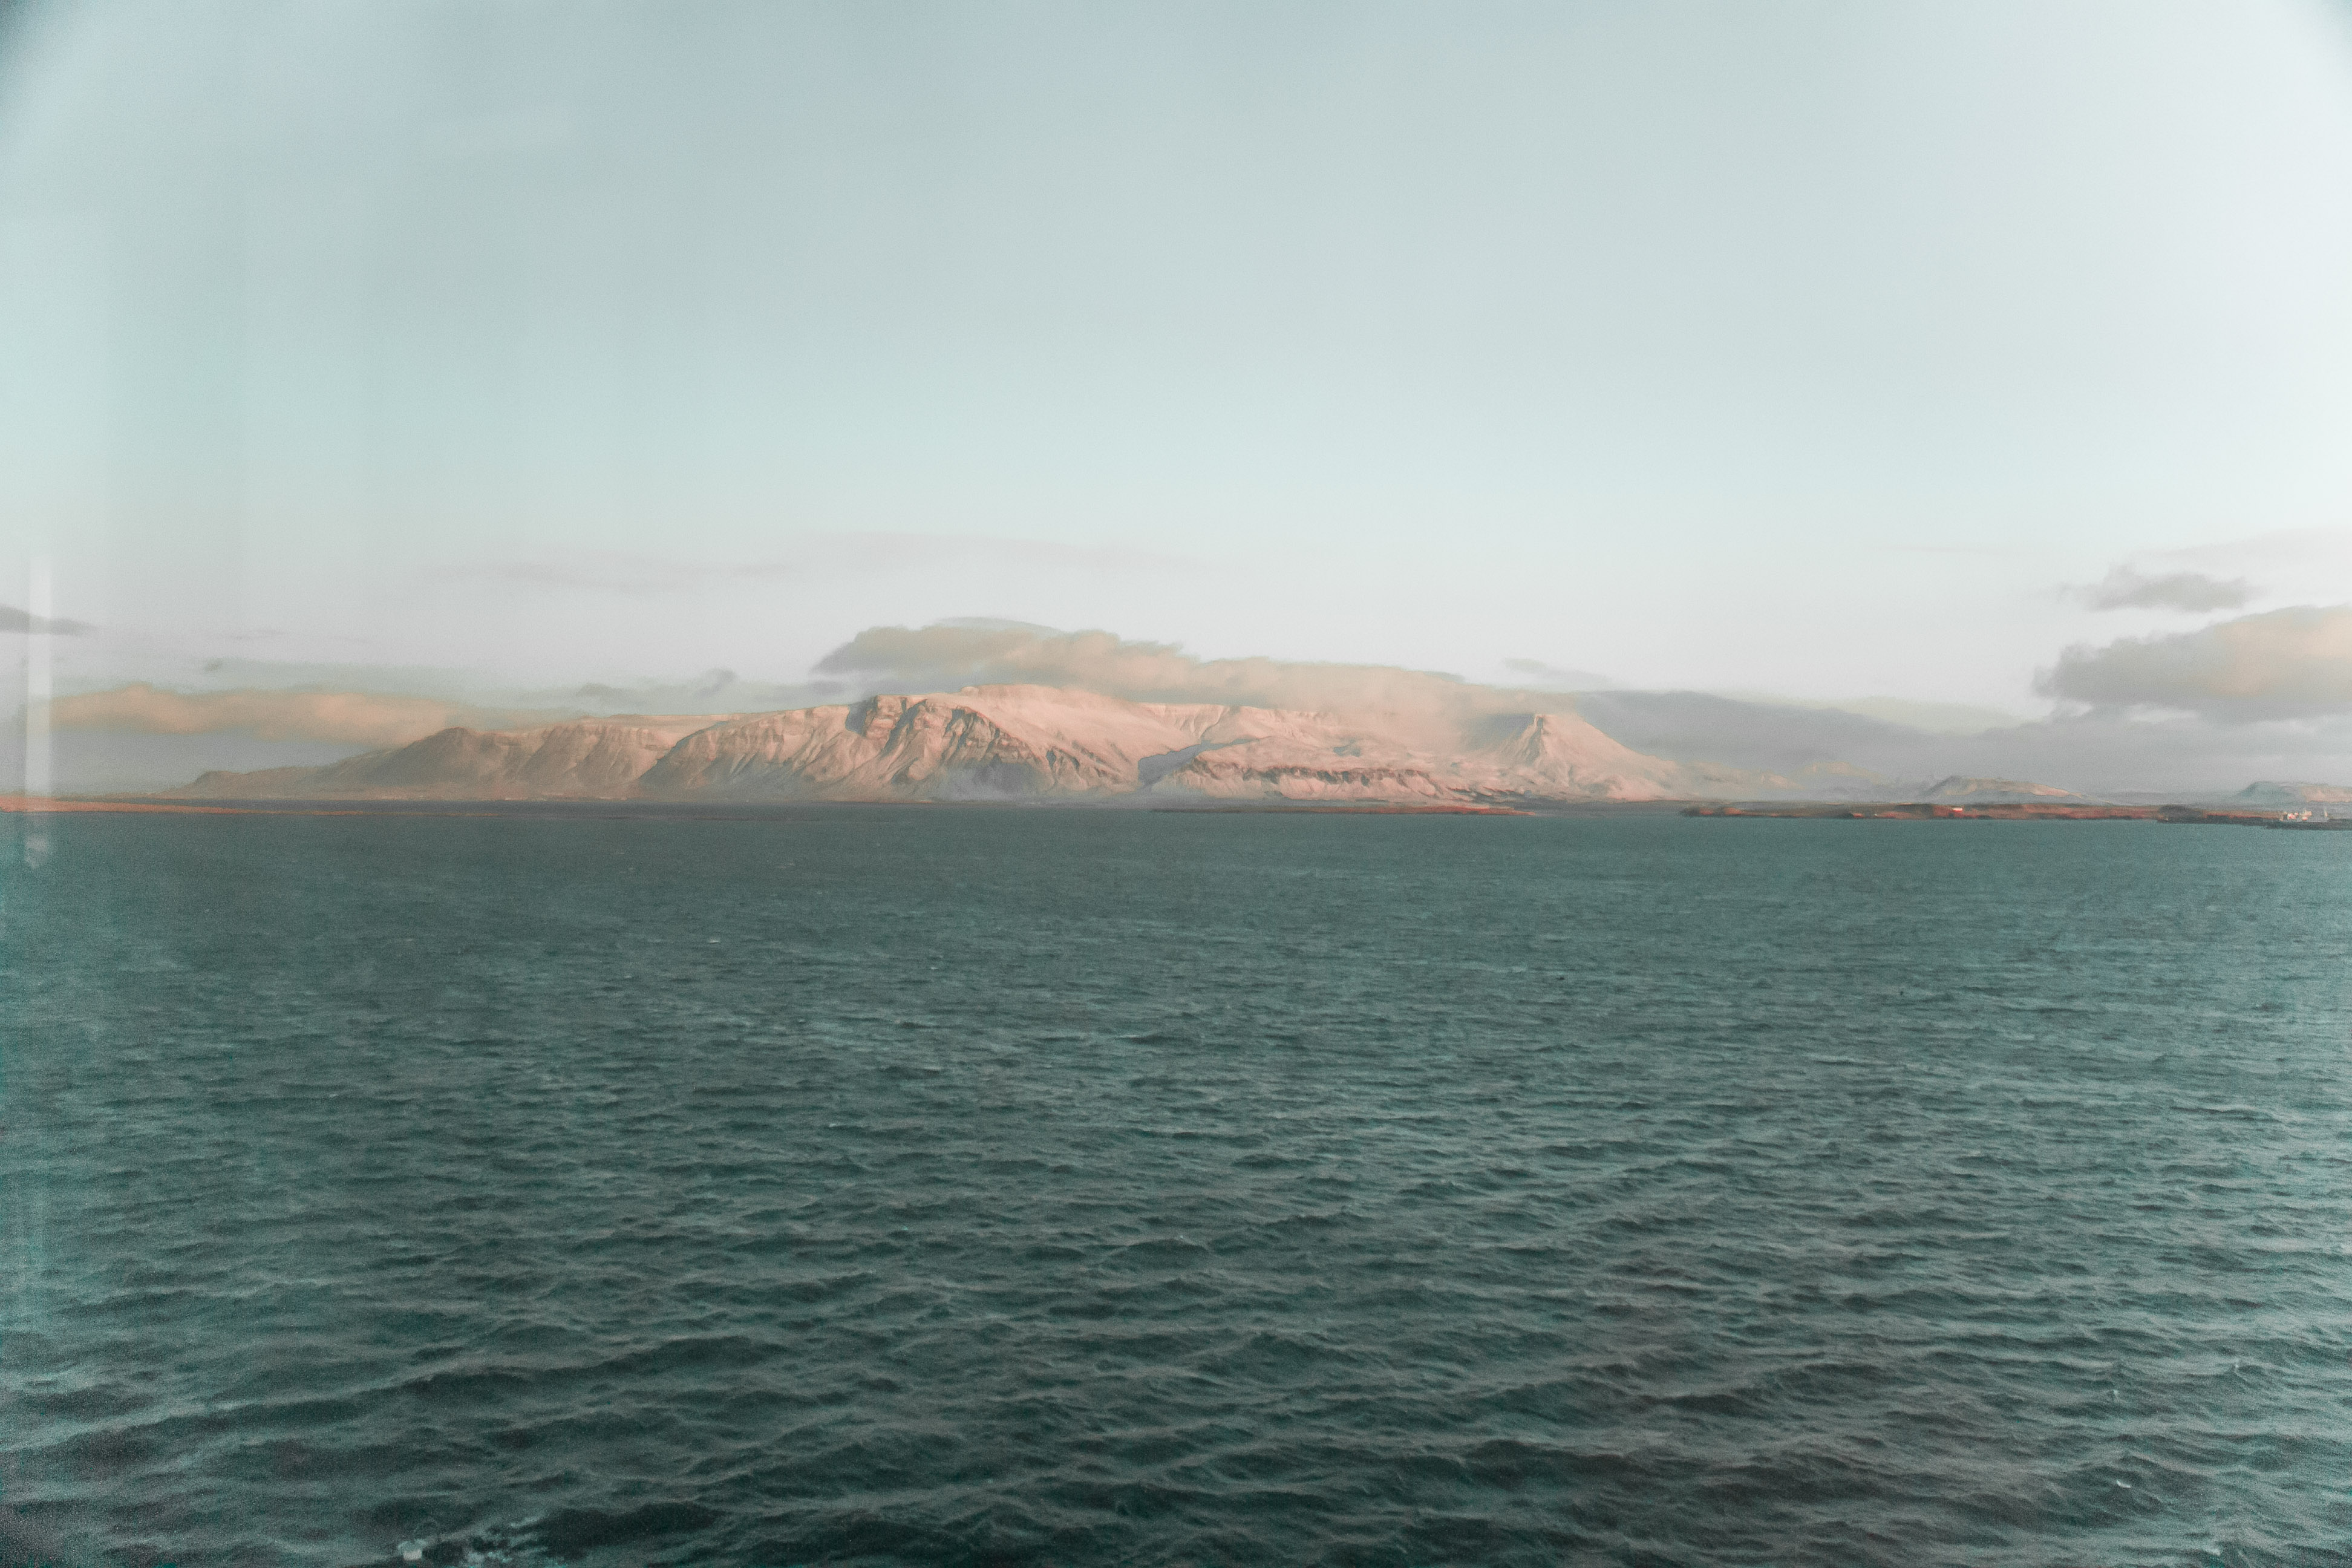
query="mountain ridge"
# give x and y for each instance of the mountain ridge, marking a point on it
(1026, 742)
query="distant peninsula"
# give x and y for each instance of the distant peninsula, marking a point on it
(2020, 811)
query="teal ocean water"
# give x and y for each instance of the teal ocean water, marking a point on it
(903, 1185)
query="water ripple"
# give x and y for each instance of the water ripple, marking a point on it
(1068, 1187)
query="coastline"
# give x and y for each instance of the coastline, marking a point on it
(2014, 811)
(1850, 811)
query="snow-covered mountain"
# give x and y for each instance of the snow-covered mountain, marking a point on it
(1021, 742)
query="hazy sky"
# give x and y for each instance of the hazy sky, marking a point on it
(1818, 349)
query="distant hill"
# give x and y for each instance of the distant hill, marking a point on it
(2270, 792)
(1027, 743)
(1989, 792)
(593, 759)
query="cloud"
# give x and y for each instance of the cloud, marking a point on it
(1552, 677)
(2125, 588)
(1697, 726)
(714, 691)
(361, 718)
(948, 654)
(13, 619)
(1933, 718)
(2284, 664)
(2097, 752)
(807, 555)
(2301, 550)
(1928, 718)
(320, 675)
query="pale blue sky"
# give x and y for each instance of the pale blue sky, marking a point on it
(1808, 348)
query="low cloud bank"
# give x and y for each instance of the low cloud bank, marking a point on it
(1554, 677)
(2097, 752)
(805, 556)
(1697, 726)
(2294, 663)
(944, 656)
(353, 718)
(13, 619)
(2125, 588)
(714, 691)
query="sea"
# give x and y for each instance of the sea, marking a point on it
(1051, 1187)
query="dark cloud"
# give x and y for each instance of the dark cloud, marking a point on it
(2295, 663)
(2125, 588)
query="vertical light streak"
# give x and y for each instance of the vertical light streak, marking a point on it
(37, 690)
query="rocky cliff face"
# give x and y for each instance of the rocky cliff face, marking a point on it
(983, 743)
(1016, 743)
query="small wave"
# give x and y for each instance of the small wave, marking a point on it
(546, 1541)
(569, 1531)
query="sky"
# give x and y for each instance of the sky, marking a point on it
(1989, 363)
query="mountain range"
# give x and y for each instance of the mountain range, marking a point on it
(1030, 743)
